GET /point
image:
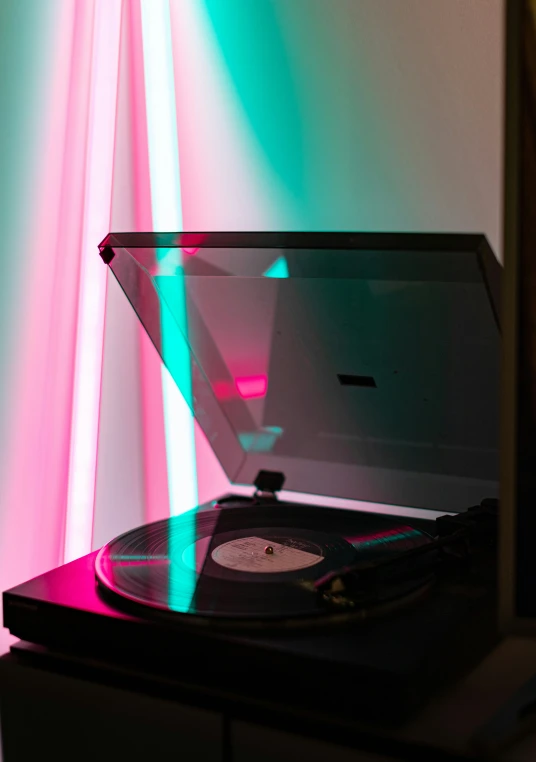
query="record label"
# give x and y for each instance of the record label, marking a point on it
(255, 554)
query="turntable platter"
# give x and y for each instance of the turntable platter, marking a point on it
(246, 565)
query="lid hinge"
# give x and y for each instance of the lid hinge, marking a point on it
(267, 483)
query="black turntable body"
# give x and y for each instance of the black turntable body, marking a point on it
(369, 372)
(384, 664)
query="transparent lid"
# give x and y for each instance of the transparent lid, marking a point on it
(361, 366)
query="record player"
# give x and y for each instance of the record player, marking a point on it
(359, 367)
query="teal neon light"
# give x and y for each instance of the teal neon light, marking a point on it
(166, 205)
(278, 269)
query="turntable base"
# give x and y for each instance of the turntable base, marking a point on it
(383, 669)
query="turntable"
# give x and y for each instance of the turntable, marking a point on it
(359, 367)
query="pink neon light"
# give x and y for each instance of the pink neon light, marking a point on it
(33, 486)
(92, 295)
(154, 441)
(224, 390)
(252, 386)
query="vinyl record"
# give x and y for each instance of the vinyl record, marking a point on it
(247, 564)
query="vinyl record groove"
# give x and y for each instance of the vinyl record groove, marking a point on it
(247, 564)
